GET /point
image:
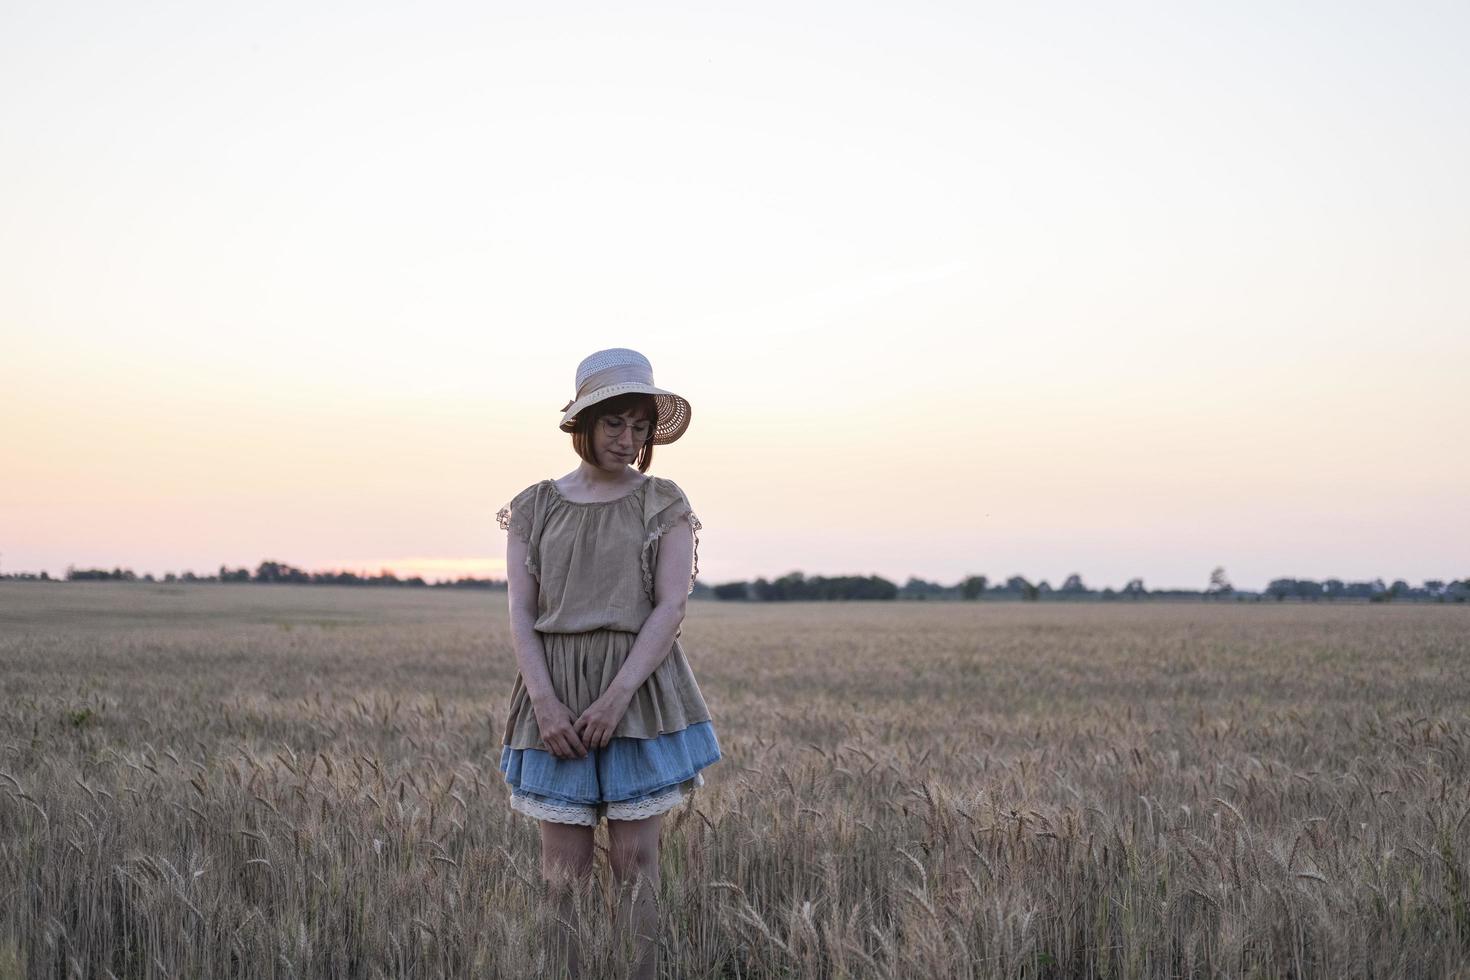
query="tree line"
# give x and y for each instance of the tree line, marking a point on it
(798, 587)
(273, 573)
(1433, 590)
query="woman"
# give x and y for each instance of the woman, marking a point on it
(606, 719)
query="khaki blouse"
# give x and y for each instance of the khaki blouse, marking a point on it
(594, 564)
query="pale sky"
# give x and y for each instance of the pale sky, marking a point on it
(1119, 289)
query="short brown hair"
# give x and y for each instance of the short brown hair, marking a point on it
(616, 405)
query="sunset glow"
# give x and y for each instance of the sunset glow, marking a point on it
(1120, 290)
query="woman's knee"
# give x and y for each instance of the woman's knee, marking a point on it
(633, 850)
(562, 873)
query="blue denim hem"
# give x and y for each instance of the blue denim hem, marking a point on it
(627, 769)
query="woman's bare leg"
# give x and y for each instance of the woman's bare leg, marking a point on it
(566, 862)
(633, 854)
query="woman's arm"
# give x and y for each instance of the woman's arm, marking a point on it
(553, 718)
(655, 638)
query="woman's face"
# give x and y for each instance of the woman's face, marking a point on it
(616, 439)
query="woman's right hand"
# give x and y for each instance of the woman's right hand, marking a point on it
(555, 720)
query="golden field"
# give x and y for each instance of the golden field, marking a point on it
(276, 781)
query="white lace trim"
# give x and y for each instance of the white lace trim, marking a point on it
(585, 814)
(574, 813)
(650, 807)
(654, 805)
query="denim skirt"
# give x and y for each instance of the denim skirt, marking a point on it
(630, 779)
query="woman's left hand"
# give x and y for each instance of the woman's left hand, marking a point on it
(595, 725)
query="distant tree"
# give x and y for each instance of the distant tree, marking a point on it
(1288, 588)
(917, 588)
(1219, 584)
(1134, 589)
(790, 586)
(1073, 585)
(275, 571)
(973, 587)
(732, 590)
(459, 583)
(795, 586)
(877, 587)
(74, 574)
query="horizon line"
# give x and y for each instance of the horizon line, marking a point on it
(388, 566)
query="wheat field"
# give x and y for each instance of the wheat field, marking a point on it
(274, 781)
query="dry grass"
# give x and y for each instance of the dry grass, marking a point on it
(298, 782)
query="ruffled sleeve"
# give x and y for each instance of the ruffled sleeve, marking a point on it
(664, 506)
(523, 517)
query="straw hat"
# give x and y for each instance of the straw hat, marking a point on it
(620, 371)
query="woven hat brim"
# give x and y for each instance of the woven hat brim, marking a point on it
(673, 410)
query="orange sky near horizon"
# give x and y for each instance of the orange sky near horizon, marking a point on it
(1126, 292)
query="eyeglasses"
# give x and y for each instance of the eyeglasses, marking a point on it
(614, 425)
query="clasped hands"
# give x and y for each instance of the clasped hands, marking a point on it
(592, 729)
(595, 725)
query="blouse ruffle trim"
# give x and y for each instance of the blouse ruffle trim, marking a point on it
(664, 507)
(649, 555)
(519, 517)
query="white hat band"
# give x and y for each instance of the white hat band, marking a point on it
(608, 376)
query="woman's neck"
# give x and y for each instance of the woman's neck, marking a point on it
(589, 477)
